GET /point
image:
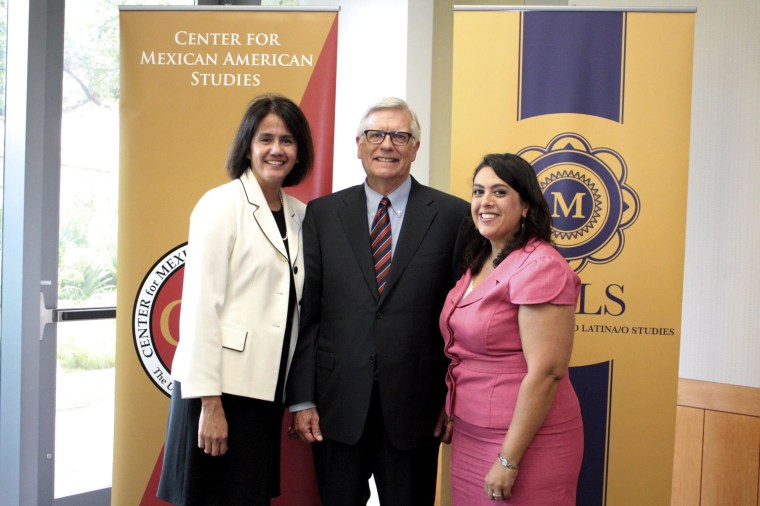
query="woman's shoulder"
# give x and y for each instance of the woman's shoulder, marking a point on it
(537, 249)
(543, 275)
(225, 196)
(224, 190)
(542, 247)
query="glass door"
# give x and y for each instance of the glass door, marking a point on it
(86, 334)
(87, 248)
(3, 25)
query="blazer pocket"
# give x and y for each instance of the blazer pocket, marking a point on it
(233, 338)
(325, 359)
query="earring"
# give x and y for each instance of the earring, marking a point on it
(522, 225)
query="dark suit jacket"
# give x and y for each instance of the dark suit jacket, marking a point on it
(348, 331)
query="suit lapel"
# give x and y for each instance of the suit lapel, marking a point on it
(293, 226)
(262, 216)
(418, 217)
(353, 217)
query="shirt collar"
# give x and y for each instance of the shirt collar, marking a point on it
(398, 197)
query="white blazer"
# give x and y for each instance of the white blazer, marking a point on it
(235, 293)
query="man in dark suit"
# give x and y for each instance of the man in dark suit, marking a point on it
(367, 379)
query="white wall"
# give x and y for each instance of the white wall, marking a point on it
(376, 47)
(720, 339)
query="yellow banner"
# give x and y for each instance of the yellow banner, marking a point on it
(599, 103)
(186, 78)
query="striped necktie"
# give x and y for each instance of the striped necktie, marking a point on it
(380, 239)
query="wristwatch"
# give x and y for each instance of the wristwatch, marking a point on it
(506, 463)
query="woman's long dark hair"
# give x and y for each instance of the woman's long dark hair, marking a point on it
(519, 175)
(295, 121)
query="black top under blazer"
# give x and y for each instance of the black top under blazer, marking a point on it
(348, 331)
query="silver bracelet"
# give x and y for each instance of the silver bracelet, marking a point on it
(506, 463)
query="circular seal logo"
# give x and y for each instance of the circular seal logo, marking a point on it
(590, 202)
(155, 319)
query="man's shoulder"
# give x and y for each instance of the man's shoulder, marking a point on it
(331, 199)
(441, 198)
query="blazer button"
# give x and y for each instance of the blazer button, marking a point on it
(380, 315)
(295, 270)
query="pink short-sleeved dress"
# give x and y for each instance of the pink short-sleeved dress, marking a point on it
(482, 340)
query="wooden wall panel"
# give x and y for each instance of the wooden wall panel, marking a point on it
(730, 459)
(717, 445)
(719, 397)
(687, 461)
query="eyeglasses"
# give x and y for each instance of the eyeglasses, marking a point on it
(378, 136)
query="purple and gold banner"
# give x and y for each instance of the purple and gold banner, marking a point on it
(599, 102)
(187, 76)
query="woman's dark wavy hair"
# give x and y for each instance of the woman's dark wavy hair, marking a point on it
(518, 174)
(295, 121)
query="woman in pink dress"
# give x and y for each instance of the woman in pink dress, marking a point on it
(513, 418)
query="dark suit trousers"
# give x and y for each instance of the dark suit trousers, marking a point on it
(403, 478)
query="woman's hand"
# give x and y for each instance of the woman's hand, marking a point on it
(499, 482)
(212, 427)
(546, 332)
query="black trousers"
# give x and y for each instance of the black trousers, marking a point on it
(403, 477)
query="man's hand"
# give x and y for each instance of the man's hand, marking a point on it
(307, 425)
(444, 427)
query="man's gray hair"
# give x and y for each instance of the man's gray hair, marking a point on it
(391, 103)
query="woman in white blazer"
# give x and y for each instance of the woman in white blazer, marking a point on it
(239, 319)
